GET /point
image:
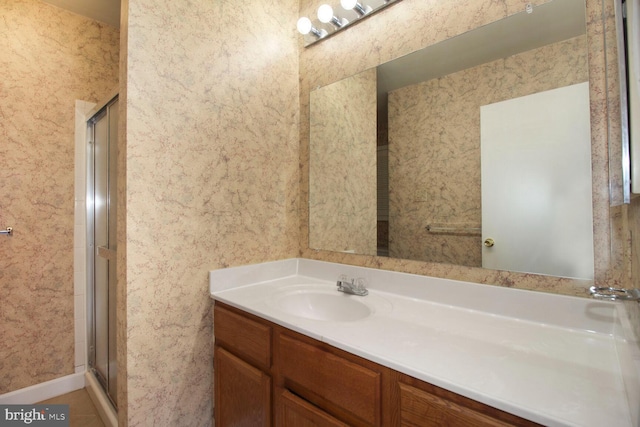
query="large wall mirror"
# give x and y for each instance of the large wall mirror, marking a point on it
(475, 151)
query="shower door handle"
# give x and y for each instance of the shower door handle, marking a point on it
(8, 231)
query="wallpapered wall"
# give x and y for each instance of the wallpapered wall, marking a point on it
(209, 163)
(50, 58)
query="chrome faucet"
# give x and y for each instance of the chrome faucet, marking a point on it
(615, 294)
(353, 287)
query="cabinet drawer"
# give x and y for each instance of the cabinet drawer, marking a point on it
(331, 382)
(295, 412)
(418, 407)
(422, 404)
(244, 337)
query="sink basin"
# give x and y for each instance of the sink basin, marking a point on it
(321, 303)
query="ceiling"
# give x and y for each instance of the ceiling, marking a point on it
(107, 11)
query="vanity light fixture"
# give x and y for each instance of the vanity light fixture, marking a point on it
(305, 27)
(325, 14)
(327, 23)
(355, 5)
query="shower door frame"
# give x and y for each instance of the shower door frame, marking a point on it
(93, 251)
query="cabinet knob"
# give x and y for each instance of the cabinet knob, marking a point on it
(489, 242)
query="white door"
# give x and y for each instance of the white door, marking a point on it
(536, 183)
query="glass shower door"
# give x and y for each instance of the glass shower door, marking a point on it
(103, 136)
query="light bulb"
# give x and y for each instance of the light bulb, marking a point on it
(353, 4)
(304, 25)
(348, 4)
(325, 13)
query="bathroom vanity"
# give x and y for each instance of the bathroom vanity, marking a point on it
(266, 372)
(291, 350)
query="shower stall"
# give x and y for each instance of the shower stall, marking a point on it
(102, 138)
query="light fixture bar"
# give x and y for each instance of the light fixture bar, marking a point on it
(330, 24)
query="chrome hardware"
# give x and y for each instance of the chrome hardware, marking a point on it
(489, 242)
(354, 287)
(615, 294)
(8, 231)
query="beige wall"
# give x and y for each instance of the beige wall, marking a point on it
(209, 164)
(49, 58)
(434, 147)
(412, 24)
(343, 162)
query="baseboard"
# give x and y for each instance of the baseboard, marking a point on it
(103, 405)
(43, 391)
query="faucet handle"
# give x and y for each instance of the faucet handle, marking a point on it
(361, 283)
(341, 280)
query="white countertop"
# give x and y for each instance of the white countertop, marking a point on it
(555, 360)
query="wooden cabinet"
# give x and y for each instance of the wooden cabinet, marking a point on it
(249, 338)
(330, 381)
(423, 404)
(292, 411)
(242, 392)
(269, 375)
(242, 365)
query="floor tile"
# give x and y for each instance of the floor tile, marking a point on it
(82, 412)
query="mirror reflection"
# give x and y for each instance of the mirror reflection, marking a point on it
(474, 151)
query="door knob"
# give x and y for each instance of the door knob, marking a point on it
(489, 242)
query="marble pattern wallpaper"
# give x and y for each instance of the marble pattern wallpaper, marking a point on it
(434, 134)
(50, 58)
(413, 24)
(208, 175)
(343, 161)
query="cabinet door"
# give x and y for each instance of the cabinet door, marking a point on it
(242, 392)
(291, 411)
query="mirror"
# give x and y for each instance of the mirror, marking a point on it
(474, 151)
